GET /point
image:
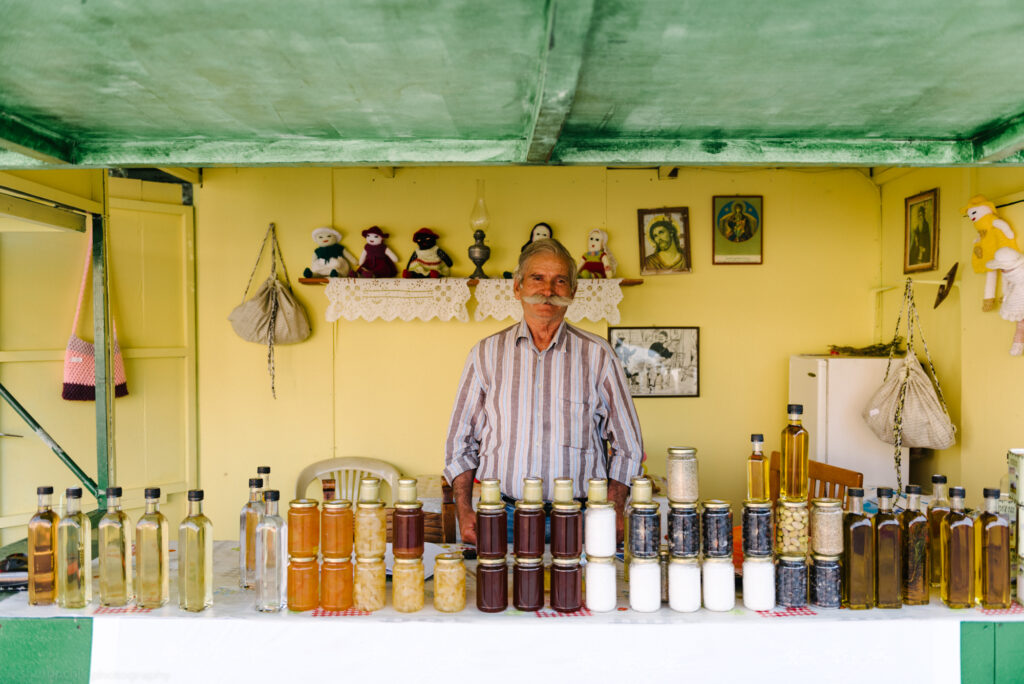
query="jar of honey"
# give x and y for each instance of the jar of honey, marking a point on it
(303, 583)
(449, 582)
(566, 585)
(491, 585)
(336, 529)
(303, 528)
(336, 584)
(566, 522)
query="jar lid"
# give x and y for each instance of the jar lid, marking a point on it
(406, 490)
(409, 506)
(597, 491)
(373, 559)
(682, 452)
(370, 504)
(489, 562)
(642, 491)
(601, 559)
(337, 504)
(562, 490)
(304, 503)
(490, 492)
(448, 558)
(369, 489)
(302, 559)
(529, 562)
(681, 505)
(757, 559)
(792, 504)
(651, 506)
(823, 557)
(826, 503)
(718, 561)
(565, 562)
(792, 558)
(337, 561)
(408, 561)
(751, 503)
(533, 494)
(715, 504)
(688, 560)
(643, 561)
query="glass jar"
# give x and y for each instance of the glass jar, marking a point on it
(491, 523)
(644, 530)
(407, 585)
(449, 582)
(757, 529)
(336, 584)
(683, 530)
(758, 582)
(791, 581)
(791, 528)
(827, 527)
(42, 551)
(407, 531)
(644, 584)
(528, 521)
(566, 585)
(684, 585)
(491, 585)
(303, 528)
(369, 583)
(716, 525)
(528, 584)
(599, 521)
(566, 522)
(371, 530)
(599, 575)
(336, 529)
(303, 583)
(681, 474)
(719, 580)
(825, 581)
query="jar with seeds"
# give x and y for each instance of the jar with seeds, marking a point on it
(791, 528)
(827, 527)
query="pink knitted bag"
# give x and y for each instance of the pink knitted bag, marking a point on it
(80, 356)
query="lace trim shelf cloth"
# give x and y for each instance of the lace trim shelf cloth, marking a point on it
(597, 300)
(391, 298)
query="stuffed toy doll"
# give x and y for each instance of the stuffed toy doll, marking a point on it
(993, 234)
(597, 261)
(1011, 263)
(377, 260)
(330, 258)
(540, 231)
(429, 260)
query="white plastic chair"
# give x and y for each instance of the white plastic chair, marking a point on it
(347, 471)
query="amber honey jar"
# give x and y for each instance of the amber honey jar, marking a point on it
(336, 584)
(336, 529)
(303, 584)
(407, 523)
(303, 528)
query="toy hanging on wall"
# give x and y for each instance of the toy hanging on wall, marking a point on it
(993, 233)
(597, 261)
(429, 260)
(377, 261)
(1011, 263)
(330, 258)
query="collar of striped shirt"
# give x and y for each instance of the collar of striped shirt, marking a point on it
(558, 343)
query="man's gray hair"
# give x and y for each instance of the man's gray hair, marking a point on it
(546, 246)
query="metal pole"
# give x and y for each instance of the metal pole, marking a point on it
(101, 344)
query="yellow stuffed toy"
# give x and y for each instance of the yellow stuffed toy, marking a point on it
(993, 233)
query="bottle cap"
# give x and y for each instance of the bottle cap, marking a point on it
(195, 495)
(44, 490)
(884, 491)
(256, 482)
(337, 504)
(271, 495)
(563, 490)
(490, 491)
(939, 479)
(913, 489)
(407, 490)
(990, 493)
(369, 490)
(795, 408)
(597, 491)
(304, 503)
(533, 490)
(855, 491)
(757, 438)
(263, 470)
(643, 490)
(152, 492)
(957, 491)
(680, 452)
(113, 491)
(73, 492)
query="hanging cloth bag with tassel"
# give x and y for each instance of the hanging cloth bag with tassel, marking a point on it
(80, 356)
(273, 315)
(908, 409)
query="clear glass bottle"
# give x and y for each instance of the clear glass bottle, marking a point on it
(757, 470)
(758, 583)
(858, 554)
(195, 557)
(916, 570)
(598, 521)
(407, 523)
(263, 473)
(407, 585)
(449, 582)
(566, 523)
(528, 521)
(247, 522)
(681, 474)
(42, 551)
(304, 528)
(888, 553)
(957, 531)
(938, 507)
(152, 560)
(115, 552)
(793, 467)
(271, 557)
(992, 544)
(369, 584)
(371, 526)
(74, 554)
(827, 527)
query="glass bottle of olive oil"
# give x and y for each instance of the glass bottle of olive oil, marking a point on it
(42, 551)
(888, 553)
(958, 551)
(793, 469)
(757, 470)
(247, 522)
(74, 554)
(115, 553)
(938, 507)
(914, 527)
(992, 557)
(195, 557)
(858, 554)
(152, 533)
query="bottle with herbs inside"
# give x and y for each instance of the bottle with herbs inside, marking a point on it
(888, 553)
(992, 539)
(957, 531)
(858, 554)
(247, 521)
(42, 551)
(938, 507)
(793, 468)
(757, 470)
(914, 529)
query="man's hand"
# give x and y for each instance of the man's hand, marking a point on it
(617, 493)
(467, 527)
(462, 488)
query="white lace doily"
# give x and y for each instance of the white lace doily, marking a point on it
(595, 299)
(391, 298)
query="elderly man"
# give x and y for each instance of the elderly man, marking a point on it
(541, 398)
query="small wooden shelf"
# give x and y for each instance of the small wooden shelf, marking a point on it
(626, 282)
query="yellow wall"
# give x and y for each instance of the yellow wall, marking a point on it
(385, 389)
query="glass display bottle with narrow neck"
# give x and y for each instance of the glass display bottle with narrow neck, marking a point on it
(271, 558)
(957, 530)
(152, 533)
(42, 551)
(528, 521)
(992, 541)
(757, 471)
(195, 557)
(888, 553)
(916, 570)
(858, 554)
(938, 507)
(793, 469)
(74, 554)
(263, 473)
(247, 522)
(115, 552)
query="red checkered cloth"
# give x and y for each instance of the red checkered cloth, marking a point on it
(119, 610)
(803, 611)
(351, 612)
(548, 613)
(1014, 609)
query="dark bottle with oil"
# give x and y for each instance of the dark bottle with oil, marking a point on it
(958, 551)
(888, 553)
(916, 566)
(992, 558)
(858, 554)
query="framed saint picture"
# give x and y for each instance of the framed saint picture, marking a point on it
(921, 232)
(737, 236)
(664, 240)
(659, 361)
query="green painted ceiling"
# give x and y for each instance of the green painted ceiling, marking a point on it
(386, 82)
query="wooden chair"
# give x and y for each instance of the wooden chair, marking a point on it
(824, 480)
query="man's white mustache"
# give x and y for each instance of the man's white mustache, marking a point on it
(554, 300)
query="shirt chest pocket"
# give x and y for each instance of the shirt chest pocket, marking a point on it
(577, 423)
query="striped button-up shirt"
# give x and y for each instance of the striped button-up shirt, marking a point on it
(521, 412)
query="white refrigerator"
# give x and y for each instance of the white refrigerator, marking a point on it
(834, 391)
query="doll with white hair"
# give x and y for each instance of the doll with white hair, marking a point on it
(1011, 263)
(330, 258)
(597, 261)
